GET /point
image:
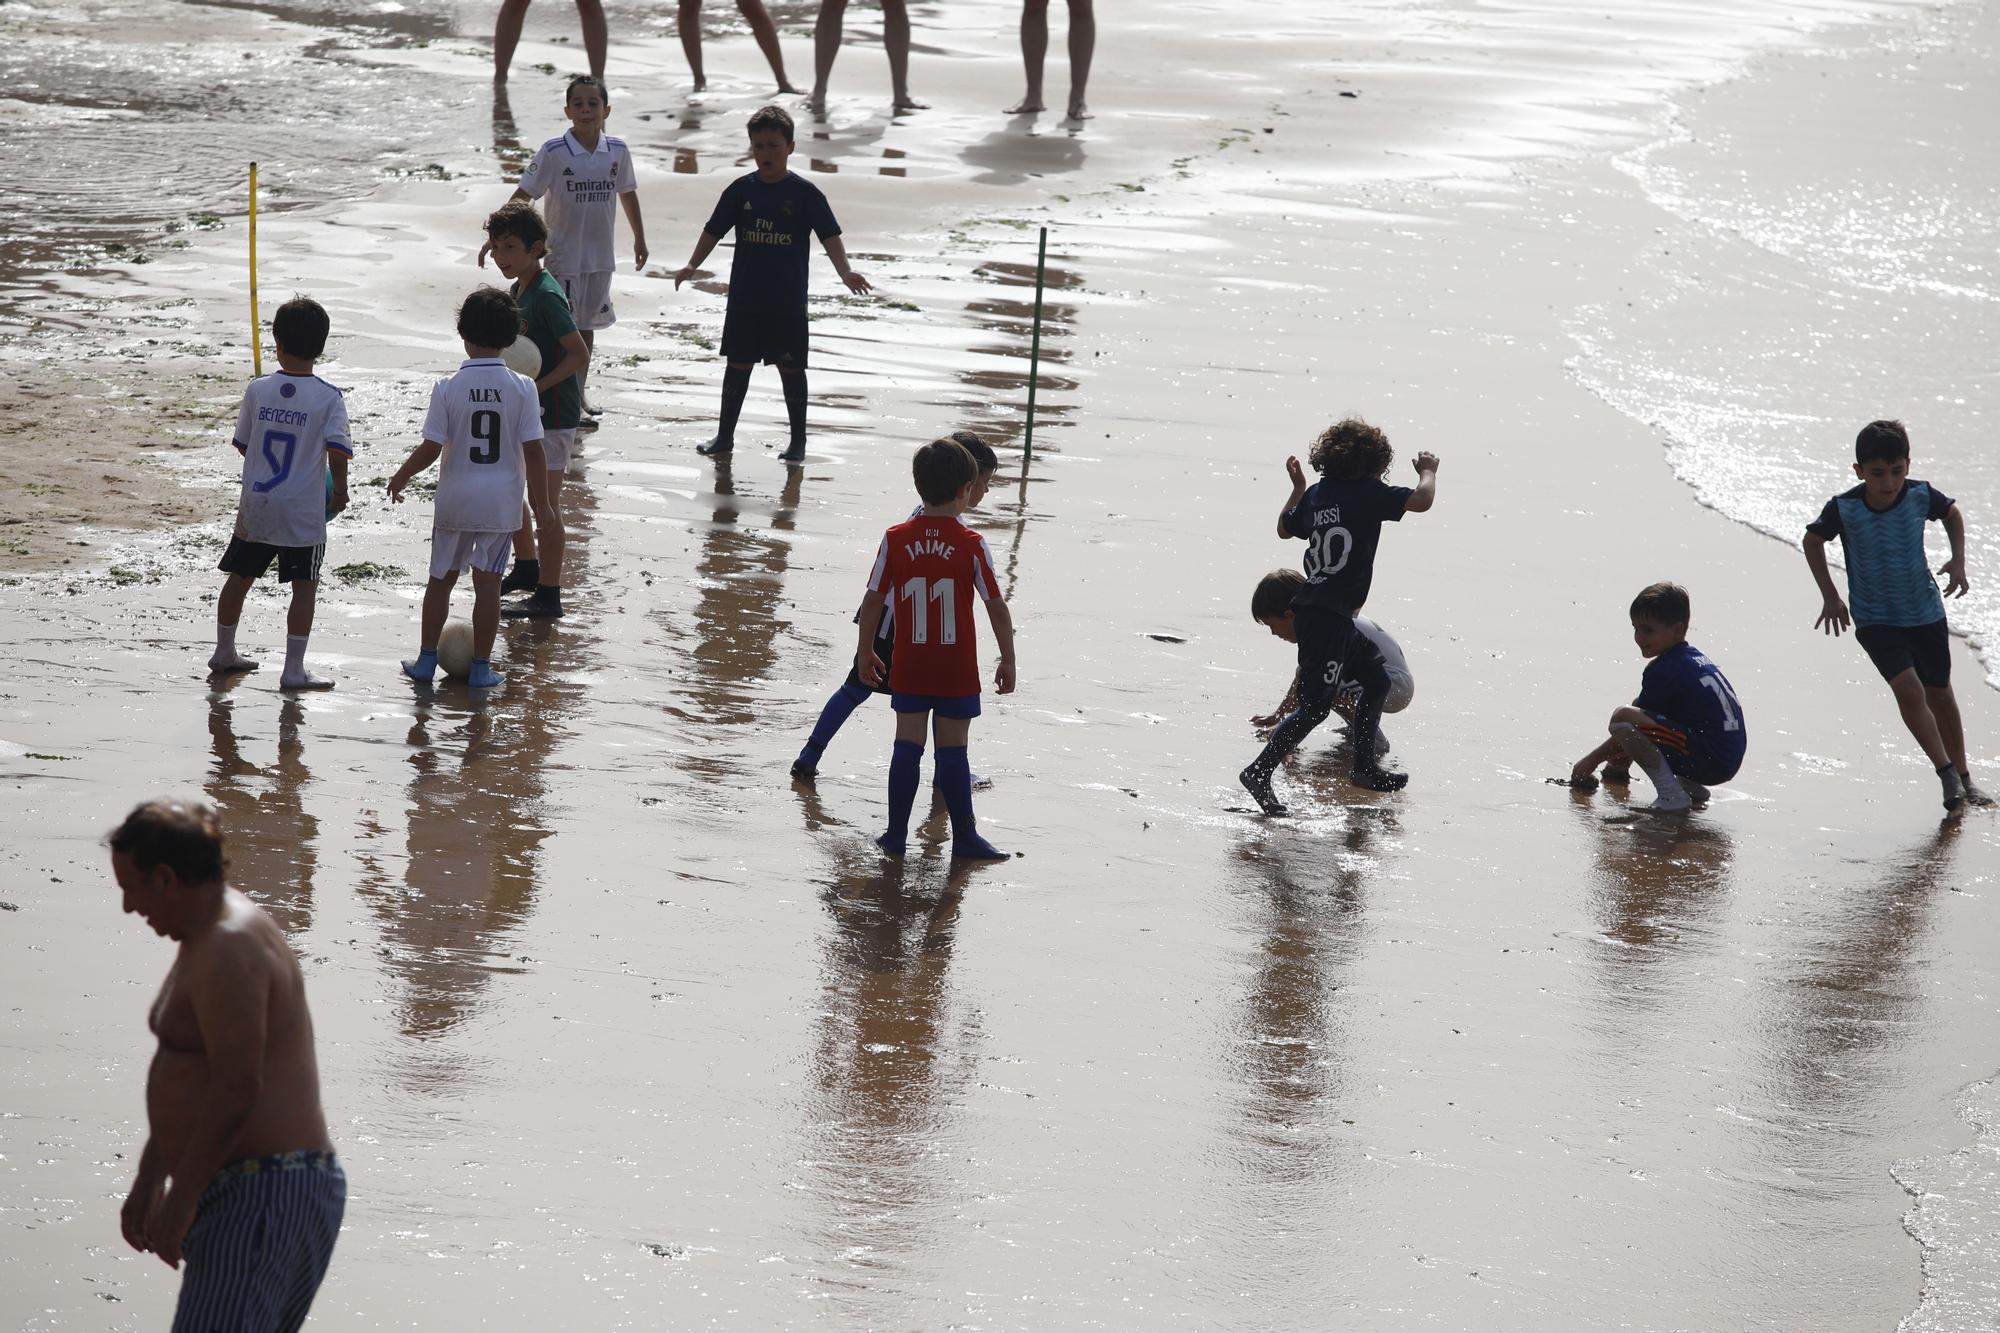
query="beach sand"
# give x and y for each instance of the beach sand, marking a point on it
(619, 1029)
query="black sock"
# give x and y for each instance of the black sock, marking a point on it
(735, 384)
(795, 407)
(549, 592)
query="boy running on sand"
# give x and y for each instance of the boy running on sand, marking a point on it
(1686, 727)
(292, 433)
(1897, 614)
(854, 692)
(485, 423)
(1340, 517)
(932, 566)
(776, 214)
(518, 239)
(579, 173)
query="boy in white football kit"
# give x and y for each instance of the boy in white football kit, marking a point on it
(292, 433)
(579, 174)
(485, 421)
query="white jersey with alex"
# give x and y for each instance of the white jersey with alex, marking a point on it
(481, 416)
(283, 430)
(581, 189)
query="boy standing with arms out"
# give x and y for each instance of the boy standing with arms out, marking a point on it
(1897, 615)
(518, 239)
(932, 566)
(292, 433)
(853, 693)
(580, 173)
(776, 214)
(1686, 727)
(1340, 517)
(484, 423)
(238, 1186)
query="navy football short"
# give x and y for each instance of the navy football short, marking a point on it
(775, 337)
(886, 650)
(249, 560)
(963, 706)
(1689, 754)
(1894, 649)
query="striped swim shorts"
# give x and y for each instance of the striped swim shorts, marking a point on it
(262, 1236)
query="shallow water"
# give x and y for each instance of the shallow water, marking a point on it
(619, 1029)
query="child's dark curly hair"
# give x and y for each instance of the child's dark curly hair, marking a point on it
(1351, 450)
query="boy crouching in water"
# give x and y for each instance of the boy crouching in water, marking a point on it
(1686, 727)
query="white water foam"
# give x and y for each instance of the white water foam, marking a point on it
(1956, 1221)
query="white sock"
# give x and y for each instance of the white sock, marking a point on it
(295, 654)
(1665, 784)
(225, 640)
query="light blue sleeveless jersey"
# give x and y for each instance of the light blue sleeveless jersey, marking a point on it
(1889, 580)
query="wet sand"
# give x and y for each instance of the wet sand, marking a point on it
(620, 1030)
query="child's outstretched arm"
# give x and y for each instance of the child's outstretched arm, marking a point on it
(1003, 634)
(1832, 610)
(1425, 494)
(1954, 568)
(1285, 706)
(1298, 476)
(1584, 774)
(420, 458)
(706, 242)
(867, 665)
(838, 254)
(630, 202)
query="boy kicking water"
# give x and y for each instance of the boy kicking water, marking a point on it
(1686, 727)
(518, 239)
(292, 433)
(1340, 517)
(1897, 613)
(854, 692)
(775, 215)
(485, 423)
(931, 567)
(579, 174)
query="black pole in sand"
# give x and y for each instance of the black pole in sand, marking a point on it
(1035, 346)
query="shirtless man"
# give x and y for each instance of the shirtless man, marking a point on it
(238, 1176)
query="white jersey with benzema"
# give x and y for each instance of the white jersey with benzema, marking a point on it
(482, 415)
(284, 429)
(581, 188)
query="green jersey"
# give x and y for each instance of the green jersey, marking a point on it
(546, 321)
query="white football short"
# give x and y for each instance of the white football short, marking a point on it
(1402, 689)
(589, 299)
(557, 448)
(483, 552)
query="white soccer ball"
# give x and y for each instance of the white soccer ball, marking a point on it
(455, 649)
(523, 357)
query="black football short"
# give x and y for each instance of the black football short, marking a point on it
(775, 337)
(249, 560)
(886, 650)
(1899, 648)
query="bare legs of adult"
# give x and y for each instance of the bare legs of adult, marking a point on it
(688, 21)
(1035, 48)
(895, 40)
(507, 35)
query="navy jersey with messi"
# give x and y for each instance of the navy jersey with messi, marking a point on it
(1342, 523)
(775, 222)
(1685, 690)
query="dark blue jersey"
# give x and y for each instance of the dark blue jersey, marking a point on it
(775, 222)
(1686, 690)
(1342, 523)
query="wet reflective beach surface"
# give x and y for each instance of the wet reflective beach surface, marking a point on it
(619, 1028)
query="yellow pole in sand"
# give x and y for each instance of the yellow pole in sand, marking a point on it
(256, 329)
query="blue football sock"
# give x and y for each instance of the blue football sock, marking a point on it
(482, 676)
(832, 717)
(904, 769)
(423, 666)
(954, 783)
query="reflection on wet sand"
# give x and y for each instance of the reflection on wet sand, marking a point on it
(890, 1061)
(997, 408)
(509, 152)
(270, 834)
(739, 578)
(477, 814)
(1009, 157)
(1658, 885)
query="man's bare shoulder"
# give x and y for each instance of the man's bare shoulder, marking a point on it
(243, 949)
